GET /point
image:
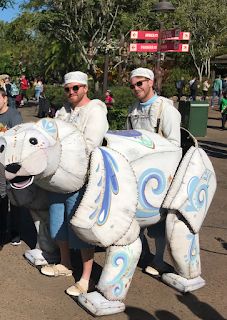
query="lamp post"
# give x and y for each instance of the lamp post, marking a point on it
(162, 6)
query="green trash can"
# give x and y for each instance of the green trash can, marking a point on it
(194, 116)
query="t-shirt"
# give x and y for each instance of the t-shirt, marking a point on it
(217, 85)
(24, 84)
(10, 118)
(223, 105)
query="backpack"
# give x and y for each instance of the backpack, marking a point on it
(14, 91)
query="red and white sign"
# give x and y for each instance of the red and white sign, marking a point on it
(172, 34)
(175, 34)
(143, 47)
(174, 47)
(144, 35)
(165, 47)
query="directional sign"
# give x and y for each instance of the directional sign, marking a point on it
(174, 46)
(143, 47)
(144, 35)
(175, 34)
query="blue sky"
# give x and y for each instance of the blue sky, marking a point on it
(9, 14)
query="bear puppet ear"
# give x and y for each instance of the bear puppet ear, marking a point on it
(49, 127)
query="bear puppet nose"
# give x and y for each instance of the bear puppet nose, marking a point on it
(13, 167)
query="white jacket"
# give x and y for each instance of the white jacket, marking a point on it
(161, 117)
(90, 119)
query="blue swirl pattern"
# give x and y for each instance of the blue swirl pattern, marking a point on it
(149, 210)
(198, 192)
(48, 126)
(125, 262)
(111, 186)
(193, 251)
(135, 136)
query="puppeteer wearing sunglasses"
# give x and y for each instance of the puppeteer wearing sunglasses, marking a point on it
(152, 112)
(74, 88)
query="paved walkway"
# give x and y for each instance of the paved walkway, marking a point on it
(25, 294)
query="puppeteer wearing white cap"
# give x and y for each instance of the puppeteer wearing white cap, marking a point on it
(142, 72)
(76, 76)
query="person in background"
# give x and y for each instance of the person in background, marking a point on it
(193, 85)
(206, 86)
(10, 94)
(9, 117)
(109, 100)
(24, 85)
(38, 89)
(180, 84)
(90, 118)
(2, 83)
(155, 114)
(224, 84)
(216, 91)
(223, 109)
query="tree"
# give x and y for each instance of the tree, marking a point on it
(207, 22)
(92, 27)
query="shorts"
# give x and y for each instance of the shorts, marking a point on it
(62, 208)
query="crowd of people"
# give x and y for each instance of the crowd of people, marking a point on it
(217, 89)
(17, 88)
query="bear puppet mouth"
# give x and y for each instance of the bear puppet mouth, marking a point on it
(21, 182)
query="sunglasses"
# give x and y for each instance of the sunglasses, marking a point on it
(138, 84)
(74, 88)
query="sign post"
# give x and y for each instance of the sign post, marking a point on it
(168, 40)
(161, 41)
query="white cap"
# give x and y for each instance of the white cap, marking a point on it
(76, 76)
(142, 72)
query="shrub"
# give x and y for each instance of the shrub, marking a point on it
(169, 85)
(123, 99)
(55, 94)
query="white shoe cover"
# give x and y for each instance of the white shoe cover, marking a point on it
(38, 257)
(98, 305)
(183, 284)
(152, 271)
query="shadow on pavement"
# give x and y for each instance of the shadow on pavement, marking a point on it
(201, 309)
(215, 252)
(213, 143)
(213, 149)
(140, 314)
(214, 118)
(214, 127)
(223, 242)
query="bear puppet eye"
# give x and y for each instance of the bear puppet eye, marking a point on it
(2, 148)
(37, 139)
(33, 141)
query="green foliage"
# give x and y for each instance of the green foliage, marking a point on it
(169, 86)
(55, 94)
(206, 20)
(51, 37)
(123, 99)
